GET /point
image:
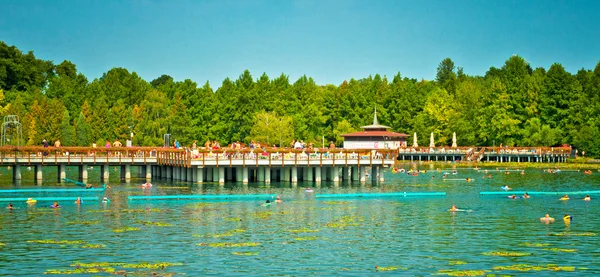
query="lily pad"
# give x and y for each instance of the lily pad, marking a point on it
(81, 270)
(245, 253)
(456, 262)
(92, 245)
(162, 265)
(155, 223)
(92, 222)
(336, 202)
(535, 244)
(453, 272)
(224, 234)
(304, 230)
(50, 241)
(389, 268)
(526, 267)
(229, 244)
(507, 254)
(125, 229)
(577, 234)
(306, 238)
(560, 249)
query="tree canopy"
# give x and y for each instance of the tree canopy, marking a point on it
(515, 104)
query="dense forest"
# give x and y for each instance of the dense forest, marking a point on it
(515, 105)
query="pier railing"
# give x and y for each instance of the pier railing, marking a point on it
(276, 157)
(68, 155)
(487, 150)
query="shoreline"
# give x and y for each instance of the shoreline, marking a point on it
(567, 165)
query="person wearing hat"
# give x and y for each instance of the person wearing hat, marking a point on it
(105, 200)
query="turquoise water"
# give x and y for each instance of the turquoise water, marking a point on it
(307, 236)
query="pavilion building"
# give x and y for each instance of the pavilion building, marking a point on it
(374, 136)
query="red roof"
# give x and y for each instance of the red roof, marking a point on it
(375, 134)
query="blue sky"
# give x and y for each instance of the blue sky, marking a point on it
(331, 41)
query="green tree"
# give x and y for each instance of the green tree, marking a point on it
(67, 134)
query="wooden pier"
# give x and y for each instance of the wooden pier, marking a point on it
(201, 165)
(486, 154)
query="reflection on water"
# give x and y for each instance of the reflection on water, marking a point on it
(306, 236)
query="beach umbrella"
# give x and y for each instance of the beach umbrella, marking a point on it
(454, 140)
(431, 143)
(415, 144)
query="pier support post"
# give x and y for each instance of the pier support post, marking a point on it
(267, 175)
(62, 172)
(148, 172)
(304, 173)
(355, 173)
(215, 174)
(261, 173)
(285, 174)
(309, 174)
(199, 175)
(221, 175)
(374, 173)
(209, 174)
(362, 174)
(229, 173)
(190, 174)
(294, 174)
(84, 172)
(318, 174)
(105, 172)
(17, 172)
(245, 175)
(127, 172)
(335, 174)
(238, 174)
(38, 172)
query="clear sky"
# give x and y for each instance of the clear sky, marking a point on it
(330, 41)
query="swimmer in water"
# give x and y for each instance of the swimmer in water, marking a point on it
(526, 195)
(547, 219)
(10, 206)
(278, 200)
(308, 190)
(567, 218)
(453, 208)
(565, 197)
(468, 179)
(523, 172)
(587, 197)
(506, 187)
(78, 201)
(55, 205)
(267, 203)
(105, 200)
(512, 196)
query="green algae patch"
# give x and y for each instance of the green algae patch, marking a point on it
(457, 262)
(81, 270)
(50, 241)
(304, 230)
(125, 229)
(93, 245)
(96, 264)
(560, 250)
(262, 215)
(245, 253)
(232, 219)
(155, 223)
(346, 221)
(389, 268)
(306, 238)
(229, 233)
(229, 244)
(576, 234)
(2, 244)
(335, 202)
(162, 265)
(454, 272)
(507, 254)
(528, 244)
(526, 267)
(148, 210)
(92, 222)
